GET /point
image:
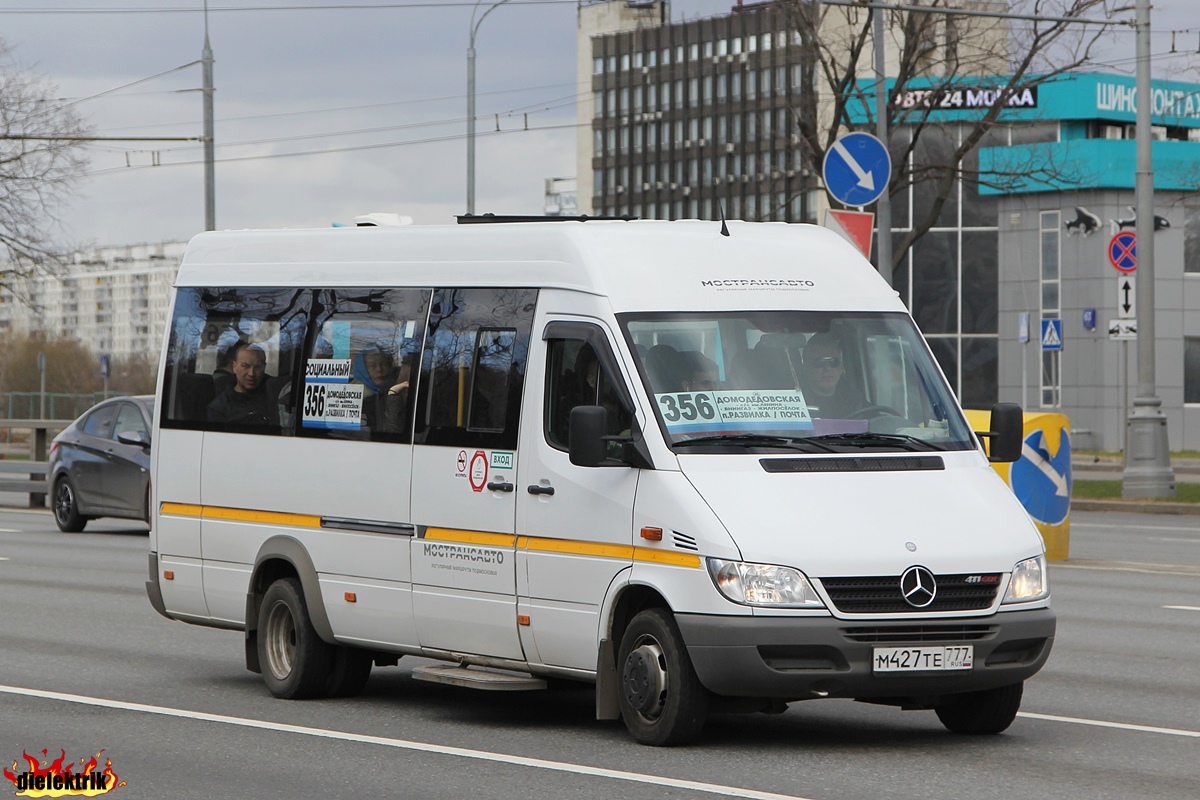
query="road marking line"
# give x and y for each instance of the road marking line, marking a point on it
(403, 744)
(1183, 608)
(1124, 726)
(1128, 566)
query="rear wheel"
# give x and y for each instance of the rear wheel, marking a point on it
(980, 713)
(66, 507)
(296, 663)
(662, 700)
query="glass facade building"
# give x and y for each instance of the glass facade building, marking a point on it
(696, 119)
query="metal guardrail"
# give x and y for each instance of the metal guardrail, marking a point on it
(35, 485)
(36, 467)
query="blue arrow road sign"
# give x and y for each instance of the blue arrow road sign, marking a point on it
(1052, 334)
(1041, 481)
(857, 169)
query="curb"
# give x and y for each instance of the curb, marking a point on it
(1137, 507)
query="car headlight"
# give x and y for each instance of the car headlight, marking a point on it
(1028, 581)
(763, 584)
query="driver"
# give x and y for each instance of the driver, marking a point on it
(822, 380)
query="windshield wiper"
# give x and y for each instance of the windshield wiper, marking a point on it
(867, 439)
(750, 440)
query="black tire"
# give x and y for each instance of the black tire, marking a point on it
(350, 672)
(296, 663)
(662, 700)
(982, 713)
(66, 507)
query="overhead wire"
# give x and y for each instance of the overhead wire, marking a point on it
(330, 151)
(41, 10)
(339, 109)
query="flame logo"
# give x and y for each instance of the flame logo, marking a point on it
(40, 780)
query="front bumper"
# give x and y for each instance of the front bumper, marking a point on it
(806, 657)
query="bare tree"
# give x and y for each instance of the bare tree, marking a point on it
(936, 59)
(41, 158)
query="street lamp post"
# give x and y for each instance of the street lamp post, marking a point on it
(471, 101)
(210, 201)
(883, 206)
(1148, 470)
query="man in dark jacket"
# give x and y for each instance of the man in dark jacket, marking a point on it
(247, 401)
(826, 391)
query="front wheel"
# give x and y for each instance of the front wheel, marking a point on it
(982, 713)
(66, 507)
(662, 700)
(296, 663)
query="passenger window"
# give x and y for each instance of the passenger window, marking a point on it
(360, 374)
(233, 359)
(129, 420)
(575, 376)
(100, 422)
(473, 369)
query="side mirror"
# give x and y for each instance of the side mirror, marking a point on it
(1007, 434)
(585, 436)
(134, 438)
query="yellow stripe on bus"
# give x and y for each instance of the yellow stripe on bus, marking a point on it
(262, 517)
(575, 547)
(470, 537)
(531, 543)
(666, 557)
(242, 515)
(181, 509)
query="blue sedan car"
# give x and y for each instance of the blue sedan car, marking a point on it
(100, 464)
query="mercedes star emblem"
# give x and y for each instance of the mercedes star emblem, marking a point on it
(918, 587)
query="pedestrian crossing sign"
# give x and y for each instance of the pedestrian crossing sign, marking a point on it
(1052, 334)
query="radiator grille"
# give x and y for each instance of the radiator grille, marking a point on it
(882, 595)
(912, 634)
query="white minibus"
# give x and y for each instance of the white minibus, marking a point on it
(708, 469)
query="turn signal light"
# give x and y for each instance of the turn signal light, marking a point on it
(652, 534)
(168, 574)
(351, 597)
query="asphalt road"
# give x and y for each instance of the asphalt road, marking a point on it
(86, 664)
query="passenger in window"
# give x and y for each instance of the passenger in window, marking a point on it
(223, 377)
(247, 401)
(599, 390)
(700, 373)
(823, 382)
(386, 389)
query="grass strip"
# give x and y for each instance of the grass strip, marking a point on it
(1111, 490)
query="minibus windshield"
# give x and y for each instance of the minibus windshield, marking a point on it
(803, 380)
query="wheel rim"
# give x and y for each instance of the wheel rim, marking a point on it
(281, 640)
(644, 679)
(64, 502)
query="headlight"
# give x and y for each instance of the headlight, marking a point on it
(1028, 581)
(763, 584)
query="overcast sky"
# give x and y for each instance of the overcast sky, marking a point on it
(376, 98)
